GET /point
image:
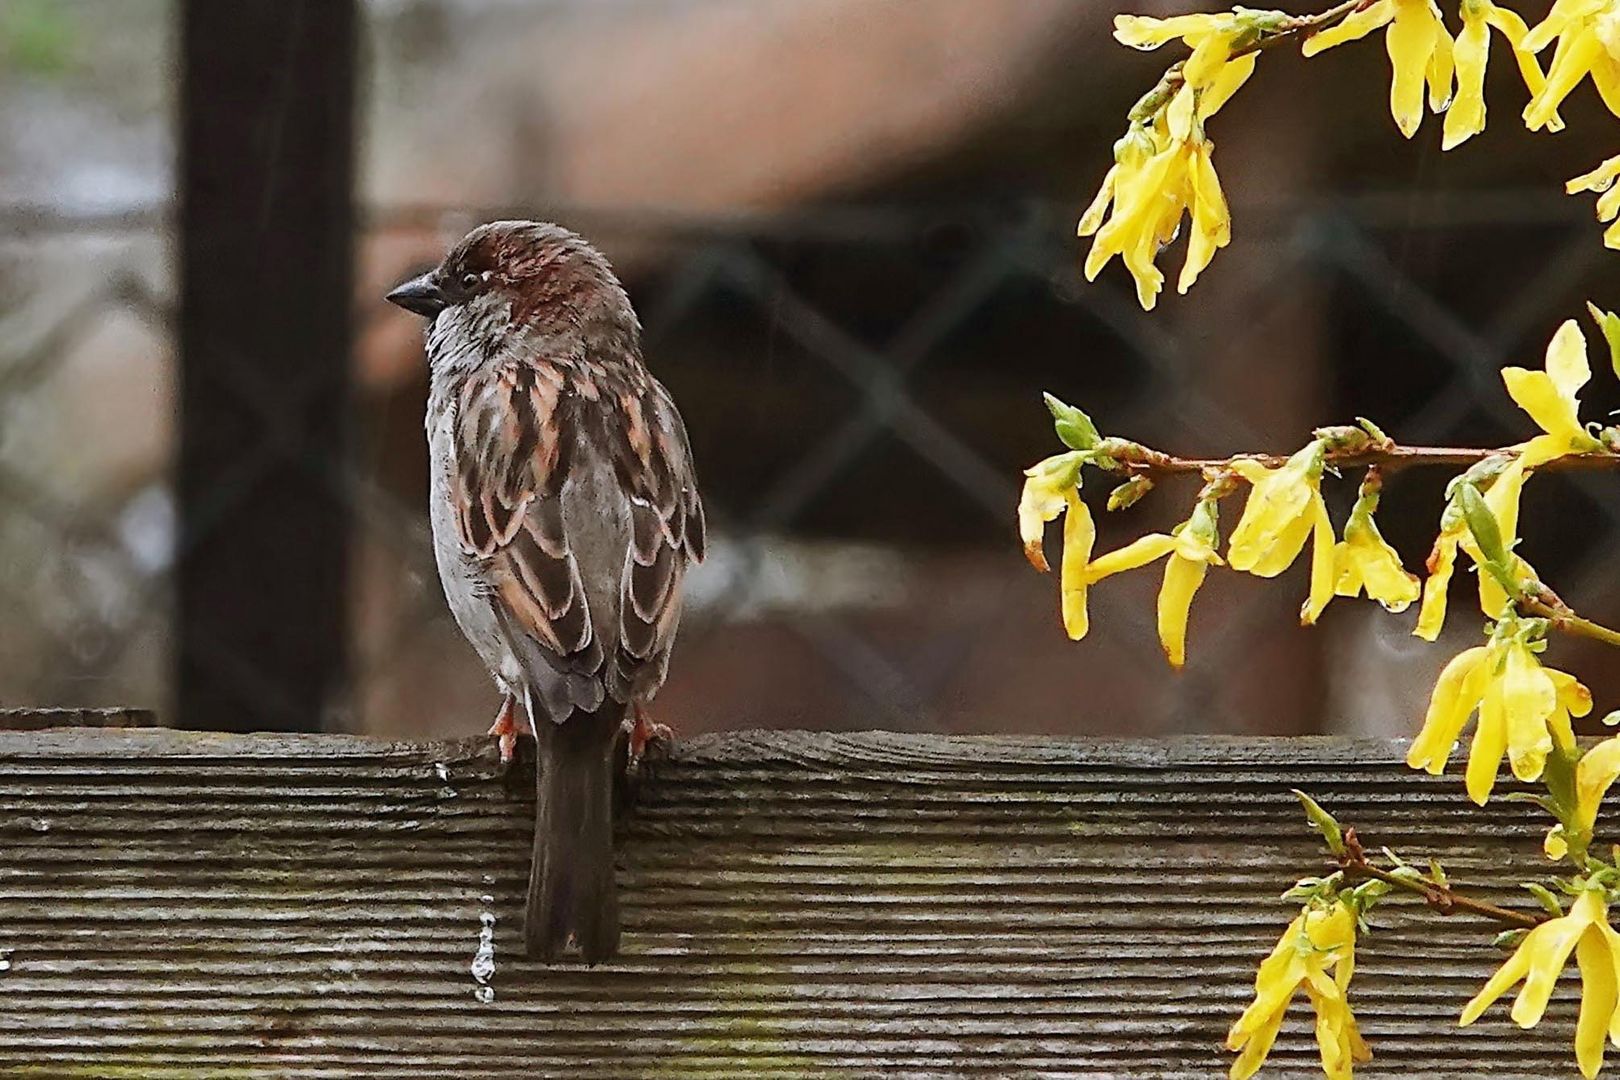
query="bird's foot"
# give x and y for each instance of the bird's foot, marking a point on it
(641, 730)
(506, 729)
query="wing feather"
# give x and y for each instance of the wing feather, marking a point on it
(653, 460)
(516, 432)
(511, 461)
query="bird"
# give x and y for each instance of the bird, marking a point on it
(565, 514)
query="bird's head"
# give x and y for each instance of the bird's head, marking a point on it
(510, 275)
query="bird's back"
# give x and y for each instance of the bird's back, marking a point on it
(596, 517)
(565, 514)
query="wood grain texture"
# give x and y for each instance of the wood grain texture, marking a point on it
(200, 905)
(40, 719)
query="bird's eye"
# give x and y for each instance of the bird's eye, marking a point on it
(470, 280)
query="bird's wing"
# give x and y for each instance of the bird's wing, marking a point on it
(511, 450)
(652, 461)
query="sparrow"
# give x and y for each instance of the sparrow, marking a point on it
(565, 512)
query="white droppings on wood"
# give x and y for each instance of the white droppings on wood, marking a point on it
(483, 962)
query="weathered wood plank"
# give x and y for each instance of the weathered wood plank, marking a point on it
(43, 719)
(197, 905)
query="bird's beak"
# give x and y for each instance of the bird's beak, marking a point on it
(421, 295)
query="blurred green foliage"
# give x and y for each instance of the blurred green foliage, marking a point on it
(36, 36)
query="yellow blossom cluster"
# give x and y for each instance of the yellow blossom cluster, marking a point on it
(1540, 959)
(1602, 180)
(1524, 709)
(1421, 53)
(1163, 166)
(1285, 509)
(1551, 398)
(1317, 952)
(1588, 37)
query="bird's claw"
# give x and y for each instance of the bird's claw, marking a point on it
(505, 728)
(641, 730)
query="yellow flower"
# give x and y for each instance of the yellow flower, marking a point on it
(1503, 501)
(1045, 496)
(1420, 50)
(1318, 952)
(1523, 707)
(1052, 487)
(1602, 180)
(1551, 398)
(1364, 559)
(1466, 117)
(1563, 15)
(1442, 562)
(1225, 82)
(1210, 36)
(1158, 176)
(1211, 218)
(1191, 548)
(1148, 198)
(1594, 774)
(1079, 534)
(1147, 33)
(1539, 961)
(1574, 699)
(1279, 513)
(1588, 33)
(1131, 153)
(1284, 507)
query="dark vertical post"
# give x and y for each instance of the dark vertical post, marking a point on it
(266, 179)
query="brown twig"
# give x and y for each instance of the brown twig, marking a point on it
(1442, 898)
(1446, 900)
(1387, 458)
(1303, 26)
(1534, 598)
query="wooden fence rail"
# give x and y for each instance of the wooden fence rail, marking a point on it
(795, 905)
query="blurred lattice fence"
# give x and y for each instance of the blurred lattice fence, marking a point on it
(862, 388)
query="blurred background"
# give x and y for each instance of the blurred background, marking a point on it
(848, 227)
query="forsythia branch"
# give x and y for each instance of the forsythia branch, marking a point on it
(1534, 598)
(1134, 458)
(1441, 897)
(1354, 447)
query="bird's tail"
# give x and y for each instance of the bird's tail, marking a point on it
(571, 887)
